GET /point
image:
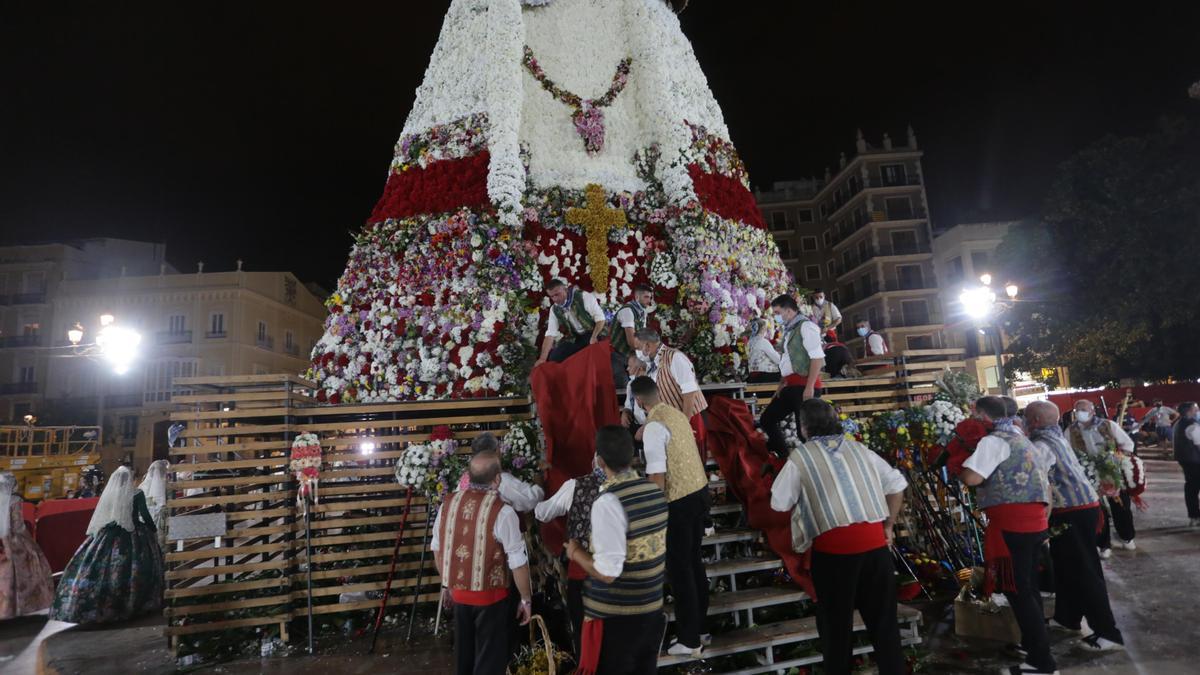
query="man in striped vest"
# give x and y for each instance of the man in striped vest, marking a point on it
(1009, 476)
(623, 596)
(673, 463)
(1080, 590)
(576, 321)
(629, 320)
(675, 376)
(1094, 436)
(477, 549)
(844, 500)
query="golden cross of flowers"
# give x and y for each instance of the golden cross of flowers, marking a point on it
(597, 219)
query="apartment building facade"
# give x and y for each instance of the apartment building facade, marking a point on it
(217, 323)
(863, 235)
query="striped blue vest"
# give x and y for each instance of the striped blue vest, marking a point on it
(639, 589)
(1020, 479)
(839, 486)
(1069, 485)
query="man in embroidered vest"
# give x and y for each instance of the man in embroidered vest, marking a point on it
(522, 496)
(844, 500)
(873, 343)
(1095, 436)
(576, 321)
(477, 548)
(800, 366)
(675, 376)
(574, 500)
(673, 463)
(1013, 490)
(623, 595)
(826, 314)
(629, 319)
(1187, 453)
(1080, 590)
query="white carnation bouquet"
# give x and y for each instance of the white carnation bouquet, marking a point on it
(945, 416)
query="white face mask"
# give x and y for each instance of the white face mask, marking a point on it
(649, 309)
(820, 302)
(1083, 416)
(643, 356)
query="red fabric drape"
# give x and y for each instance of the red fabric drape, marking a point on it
(574, 399)
(741, 452)
(28, 514)
(62, 531)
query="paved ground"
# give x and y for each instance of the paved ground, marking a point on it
(1154, 592)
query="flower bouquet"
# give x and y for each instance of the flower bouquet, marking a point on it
(1133, 479)
(967, 435)
(432, 467)
(306, 464)
(521, 451)
(1103, 470)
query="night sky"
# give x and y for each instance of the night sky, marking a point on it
(264, 131)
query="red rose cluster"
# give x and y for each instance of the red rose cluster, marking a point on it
(726, 197)
(438, 188)
(967, 435)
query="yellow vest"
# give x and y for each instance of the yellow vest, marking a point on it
(685, 470)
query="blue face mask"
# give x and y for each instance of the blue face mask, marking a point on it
(779, 320)
(863, 332)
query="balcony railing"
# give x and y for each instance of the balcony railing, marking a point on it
(21, 341)
(174, 337)
(884, 181)
(18, 388)
(35, 298)
(859, 257)
(265, 341)
(859, 292)
(215, 334)
(841, 234)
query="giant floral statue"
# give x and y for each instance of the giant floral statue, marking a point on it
(549, 138)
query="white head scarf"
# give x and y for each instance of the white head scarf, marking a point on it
(154, 485)
(116, 503)
(7, 483)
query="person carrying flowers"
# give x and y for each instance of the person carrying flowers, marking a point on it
(1101, 446)
(1012, 488)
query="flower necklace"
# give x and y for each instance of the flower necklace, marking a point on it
(588, 115)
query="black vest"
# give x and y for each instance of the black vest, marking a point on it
(1186, 452)
(579, 516)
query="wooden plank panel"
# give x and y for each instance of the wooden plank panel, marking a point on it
(243, 380)
(372, 604)
(213, 448)
(214, 626)
(273, 496)
(413, 422)
(420, 406)
(281, 460)
(221, 570)
(267, 601)
(235, 414)
(326, 507)
(331, 540)
(216, 589)
(223, 552)
(239, 430)
(245, 396)
(236, 481)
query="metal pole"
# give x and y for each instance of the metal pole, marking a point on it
(412, 616)
(309, 566)
(1000, 360)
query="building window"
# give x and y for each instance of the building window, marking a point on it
(909, 277)
(979, 262)
(904, 242)
(919, 341)
(26, 374)
(812, 272)
(214, 368)
(176, 324)
(893, 174)
(808, 243)
(824, 211)
(779, 220)
(827, 238)
(831, 269)
(289, 342)
(260, 369)
(20, 410)
(916, 312)
(160, 376)
(129, 429)
(33, 282)
(955, 267)
(873, 318)
(31, 328)
(898, 208)
(864, 251)
(847, 261)
(804, 215)
(785, 249)
(216, 324)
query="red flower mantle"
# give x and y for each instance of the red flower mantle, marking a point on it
(438, 188)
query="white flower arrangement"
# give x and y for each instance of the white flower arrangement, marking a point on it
(432, 467)
(944, 416)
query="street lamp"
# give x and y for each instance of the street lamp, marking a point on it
(115, 345)
(981, 304)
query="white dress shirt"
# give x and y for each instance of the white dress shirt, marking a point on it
(762, 355)
(785, 491)
(507, 531)
(558, 505)
(681, 370)
(1193, 433)
(1162, 415)
(518, 494)
(625, 318)
(811, 337)
(1094, 441)
(989, 454)
(875, 346)
(631, 404)
(655, 437)
(609, 526)
(590, 305)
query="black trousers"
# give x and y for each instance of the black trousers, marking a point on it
(1080, 590)
(630, 644)
(862, 581)
(1026, 602)
(481, 636)
(567, 347)
(787, 402)
(575, 611)
(1121, 519)
(620, 368)
(837, 358)
(1191, 488)
(685, 565)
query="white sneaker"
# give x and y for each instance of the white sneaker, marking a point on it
(677, 649)
(1105, 553)
(1066, 629)
(710, 531)
(1026, 669)
(1095, 643)
(1127, 545)
(705, 639)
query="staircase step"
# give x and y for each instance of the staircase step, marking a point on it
(724, 568)
(731, 535)
(731, 507)
(750, 598)
(773, 635)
